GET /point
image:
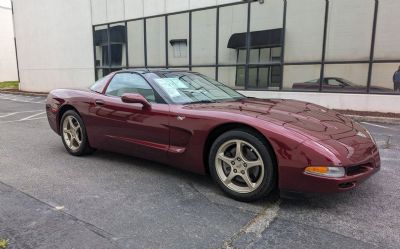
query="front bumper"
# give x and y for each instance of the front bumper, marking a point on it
(295, 180)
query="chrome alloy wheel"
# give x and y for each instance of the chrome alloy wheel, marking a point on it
(239, 166)
(72, 133)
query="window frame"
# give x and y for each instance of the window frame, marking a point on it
(282, 63)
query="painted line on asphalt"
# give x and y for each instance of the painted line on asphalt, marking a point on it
(11, 98)
(5, 114)
(16, 121)
(35, 116)
(32, 116)
(256, 226)
(380, 126)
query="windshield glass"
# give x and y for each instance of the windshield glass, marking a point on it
(347, 82)
(186, 88)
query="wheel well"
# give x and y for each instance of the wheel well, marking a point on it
(219, 130)
(61, 112)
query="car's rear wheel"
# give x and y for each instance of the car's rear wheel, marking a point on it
(73, 134)
(242, 165)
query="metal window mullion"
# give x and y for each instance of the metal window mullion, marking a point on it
(246, 70)
(217, 45)
(322, 72)
(166, 42)
(145, 41)
(372, 52)
(94, 53)
(258, 67)
(283, 38)
(126, 46)
(190, 40)
(109, 47)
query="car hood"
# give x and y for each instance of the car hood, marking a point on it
(310, 120)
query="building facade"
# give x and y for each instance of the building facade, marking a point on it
(338, 53)
(8, 62)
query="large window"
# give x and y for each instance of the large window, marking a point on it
(204, 26)
(290, 45)
(178, 38)
(136, 51)
(155, 37)
(110, 48)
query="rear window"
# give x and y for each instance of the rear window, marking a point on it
(99, 85)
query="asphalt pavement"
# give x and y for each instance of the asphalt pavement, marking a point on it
(49, 199)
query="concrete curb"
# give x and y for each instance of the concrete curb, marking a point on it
(383, 120)
(24, 93)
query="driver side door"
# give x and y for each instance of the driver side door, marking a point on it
(128, 127)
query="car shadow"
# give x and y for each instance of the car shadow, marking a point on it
(202, 184)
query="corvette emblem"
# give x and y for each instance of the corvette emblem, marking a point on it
(180, 118)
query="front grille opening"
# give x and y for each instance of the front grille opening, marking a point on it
(358, 169)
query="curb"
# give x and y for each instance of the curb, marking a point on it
(383, 120)
(24, 93)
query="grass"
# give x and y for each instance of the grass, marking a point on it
(3, 243)
(9, 85)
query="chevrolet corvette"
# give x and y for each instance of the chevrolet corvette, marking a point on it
(249, 146)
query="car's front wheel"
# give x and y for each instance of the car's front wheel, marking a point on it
(242, 165)
(73, 134)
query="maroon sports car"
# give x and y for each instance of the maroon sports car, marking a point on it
(249, 146)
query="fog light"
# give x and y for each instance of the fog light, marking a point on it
(325, 171)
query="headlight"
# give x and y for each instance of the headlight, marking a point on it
(325, 171)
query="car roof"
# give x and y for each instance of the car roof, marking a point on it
(151, 70)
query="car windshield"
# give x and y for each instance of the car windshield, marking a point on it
(190, 88)
(313, 81)
(347, 82)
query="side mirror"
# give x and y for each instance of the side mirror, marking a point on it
(136, 98)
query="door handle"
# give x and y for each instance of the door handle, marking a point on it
(99, 102)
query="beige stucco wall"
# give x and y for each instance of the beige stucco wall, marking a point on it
(8, 62)
(55, 44)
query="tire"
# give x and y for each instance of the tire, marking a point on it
(247, 176)
(73, 134)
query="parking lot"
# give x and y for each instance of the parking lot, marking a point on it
(49, 199)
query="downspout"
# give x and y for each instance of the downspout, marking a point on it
(15, 39)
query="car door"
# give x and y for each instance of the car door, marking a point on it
(128, 127)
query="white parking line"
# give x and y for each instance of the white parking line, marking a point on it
(35, 116)
(25, 99)
(2, 115)
(16, 121)
(255, 226)
(32, 116)
(380, 126)
(7, 115)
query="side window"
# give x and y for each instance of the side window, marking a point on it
(333, 82)
(130, 83)
(99, 85)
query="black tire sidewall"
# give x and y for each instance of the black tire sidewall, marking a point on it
(269, 180)
(84, 147)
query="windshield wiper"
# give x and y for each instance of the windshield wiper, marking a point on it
(202, 101)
